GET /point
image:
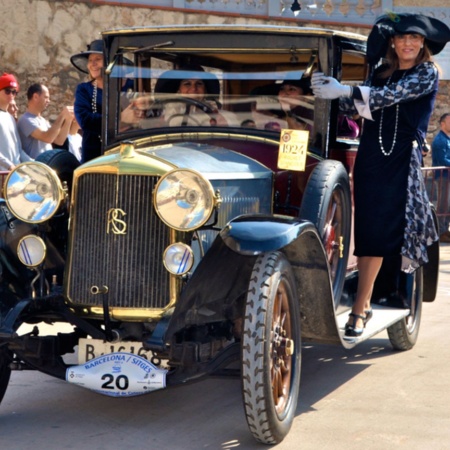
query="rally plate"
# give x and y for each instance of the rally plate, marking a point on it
(118, 374)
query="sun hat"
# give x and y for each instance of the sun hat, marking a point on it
(169, 81)
(80, 60)
(435, 32)
(8, 80)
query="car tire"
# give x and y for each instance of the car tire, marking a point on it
(62, 162)
(404, 333)
(327, 204)
(271, 349)
(5, 371)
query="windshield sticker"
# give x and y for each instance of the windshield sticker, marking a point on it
(118, 375)
(293, 149)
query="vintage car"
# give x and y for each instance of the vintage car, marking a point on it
(213, 235)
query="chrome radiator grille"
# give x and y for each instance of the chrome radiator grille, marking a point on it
(130, 264)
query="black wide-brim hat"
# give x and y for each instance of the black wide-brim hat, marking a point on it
(169, 81)
(274, 88)
(80, 60)
(435, 32)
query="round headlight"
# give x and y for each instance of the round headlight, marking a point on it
(178, 258)
(33, 192)
(184, 200)
(31, 250)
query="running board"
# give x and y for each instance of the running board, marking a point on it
(383, 317)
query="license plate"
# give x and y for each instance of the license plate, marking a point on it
(92, 348)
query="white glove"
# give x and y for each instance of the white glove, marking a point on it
(328, 87)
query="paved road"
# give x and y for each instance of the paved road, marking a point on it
(367, 398)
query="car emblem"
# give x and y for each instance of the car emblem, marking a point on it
(115, 224)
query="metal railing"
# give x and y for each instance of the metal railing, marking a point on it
(437, 185)
(354, 12)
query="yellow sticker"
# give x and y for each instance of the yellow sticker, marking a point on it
(293, 149)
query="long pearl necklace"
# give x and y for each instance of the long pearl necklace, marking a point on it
(380, 133)
(380, 129)
(94, 102)
(94, 97)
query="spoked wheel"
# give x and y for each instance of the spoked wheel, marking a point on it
(5, 371)
(404, 333)
(327, 204)
(271, 349)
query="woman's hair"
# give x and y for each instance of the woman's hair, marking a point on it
(392, 59)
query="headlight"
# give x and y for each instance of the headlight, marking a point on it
(33, 192)
(178, 258)
(31, 250)
(184, 200)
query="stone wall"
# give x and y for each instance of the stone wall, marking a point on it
(38, 37)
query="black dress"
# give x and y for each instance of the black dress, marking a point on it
(401, 107)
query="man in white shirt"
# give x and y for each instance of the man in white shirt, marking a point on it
(11, 152)
(35, 131)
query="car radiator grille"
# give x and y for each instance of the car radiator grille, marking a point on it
(130, 264)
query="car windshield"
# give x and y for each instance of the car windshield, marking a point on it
(234, 89)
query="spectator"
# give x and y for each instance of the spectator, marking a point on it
(440, 156)
(11, 152)
(13, 109)
(74, 140)
(36, 133)
(89, 98)
(440, 147)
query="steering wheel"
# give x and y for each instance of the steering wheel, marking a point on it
(188, 101)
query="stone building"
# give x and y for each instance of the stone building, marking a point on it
(38, 37)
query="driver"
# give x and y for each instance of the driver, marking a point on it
(184, 97)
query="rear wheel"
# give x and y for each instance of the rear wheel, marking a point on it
(327, 204)
(404, 333)
(271, 349)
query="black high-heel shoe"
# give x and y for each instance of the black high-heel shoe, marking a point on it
(351, 329)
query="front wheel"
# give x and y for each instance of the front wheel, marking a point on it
(404, 333)
(271, 349)
(327, 204)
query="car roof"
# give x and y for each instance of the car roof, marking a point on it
(301, 31)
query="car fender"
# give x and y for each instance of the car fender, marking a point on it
(299, 240)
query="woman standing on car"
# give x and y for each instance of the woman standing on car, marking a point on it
(392, 213)
(89, 98)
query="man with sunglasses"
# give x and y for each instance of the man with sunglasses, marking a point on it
(11, 152)
(36, 133)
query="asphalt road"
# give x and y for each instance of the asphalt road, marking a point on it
(368, 398)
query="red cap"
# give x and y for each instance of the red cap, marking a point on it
(8, 80)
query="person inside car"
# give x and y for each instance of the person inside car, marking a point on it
(286, 102)
(183, 97)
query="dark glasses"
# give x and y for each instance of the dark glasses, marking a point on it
(10, 91)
